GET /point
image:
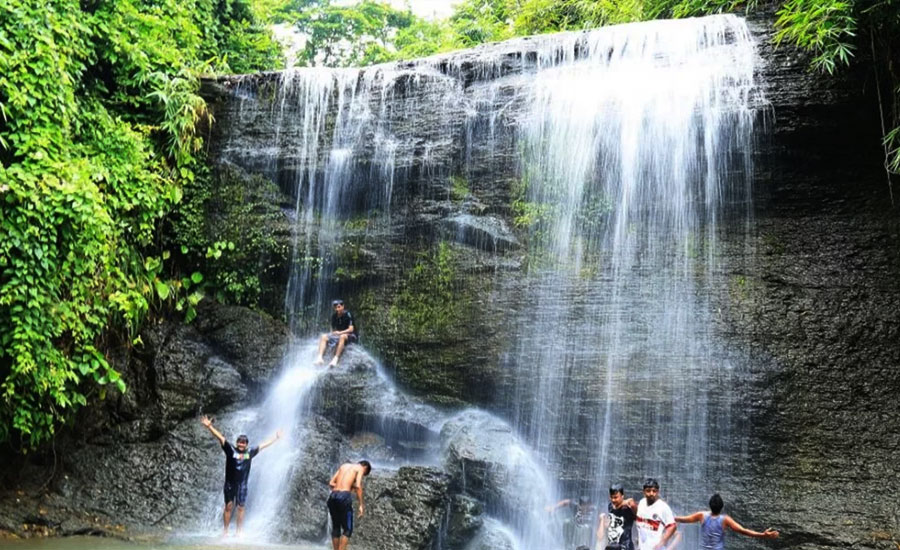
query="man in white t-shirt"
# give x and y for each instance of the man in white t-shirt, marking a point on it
(655, 520)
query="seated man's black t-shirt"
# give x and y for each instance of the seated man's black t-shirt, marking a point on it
(618, 532)
(343, 322)
(237, 465)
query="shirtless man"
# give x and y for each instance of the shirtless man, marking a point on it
(349, 477)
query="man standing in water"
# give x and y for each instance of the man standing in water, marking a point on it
(237, 471)
(618, 520)
(349, 477)
(714, 522)
(655, 520)
(342, 332)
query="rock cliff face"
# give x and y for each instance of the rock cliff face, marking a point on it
(806, 301)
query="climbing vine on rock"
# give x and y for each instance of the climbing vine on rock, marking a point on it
(98, 134)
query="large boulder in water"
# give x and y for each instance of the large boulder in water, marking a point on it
(359, 398)
(486, 459)
(493, 536)
(404, 509)
(323, 449)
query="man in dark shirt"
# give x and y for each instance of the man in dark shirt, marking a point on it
(238, 459)
(342, 332)
(619, 520)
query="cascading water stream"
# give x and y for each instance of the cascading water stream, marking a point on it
(634, 146)
(633, 152)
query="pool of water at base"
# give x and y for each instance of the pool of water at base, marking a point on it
(181, 543)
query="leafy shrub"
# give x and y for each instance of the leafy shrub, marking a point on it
(98, 118)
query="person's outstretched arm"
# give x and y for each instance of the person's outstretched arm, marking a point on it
(738, 528)
(559, 504)
(693, 518)
(208, 423)
(271, 440)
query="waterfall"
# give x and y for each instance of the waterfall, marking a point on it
(632, 153)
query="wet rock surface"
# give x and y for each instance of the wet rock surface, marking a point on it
(405, 509)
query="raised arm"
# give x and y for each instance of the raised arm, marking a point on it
(631, 504)
(693, 518)
(738, 528)
(208, 423)
(358, 484)
(271, 440)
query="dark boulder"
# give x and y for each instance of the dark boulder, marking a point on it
(405, 509)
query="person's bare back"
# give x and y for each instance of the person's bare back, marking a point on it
(348, 477)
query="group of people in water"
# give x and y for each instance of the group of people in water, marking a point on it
(652, 518)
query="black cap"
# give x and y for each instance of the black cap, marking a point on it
(337, 303)
(650, 482)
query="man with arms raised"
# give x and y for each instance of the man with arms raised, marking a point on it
(714, 522)
(349, 477)
(655, 520)
(237, 471)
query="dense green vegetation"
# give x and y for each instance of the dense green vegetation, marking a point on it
(99, 115)
(104, 190)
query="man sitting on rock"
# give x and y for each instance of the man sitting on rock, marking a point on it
(237, 471)
(340, 501)
(342, 332)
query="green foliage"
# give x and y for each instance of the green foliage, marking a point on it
(824, 27)
(340, 36)
(459, 188)
(429, 304)
(98, 118)
(225, 227)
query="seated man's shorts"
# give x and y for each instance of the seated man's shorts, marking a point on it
(333, 339)
(340, 508)
(236, 492)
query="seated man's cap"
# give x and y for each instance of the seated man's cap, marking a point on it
(337, 303)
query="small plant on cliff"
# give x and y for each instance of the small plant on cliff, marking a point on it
(428, 304)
